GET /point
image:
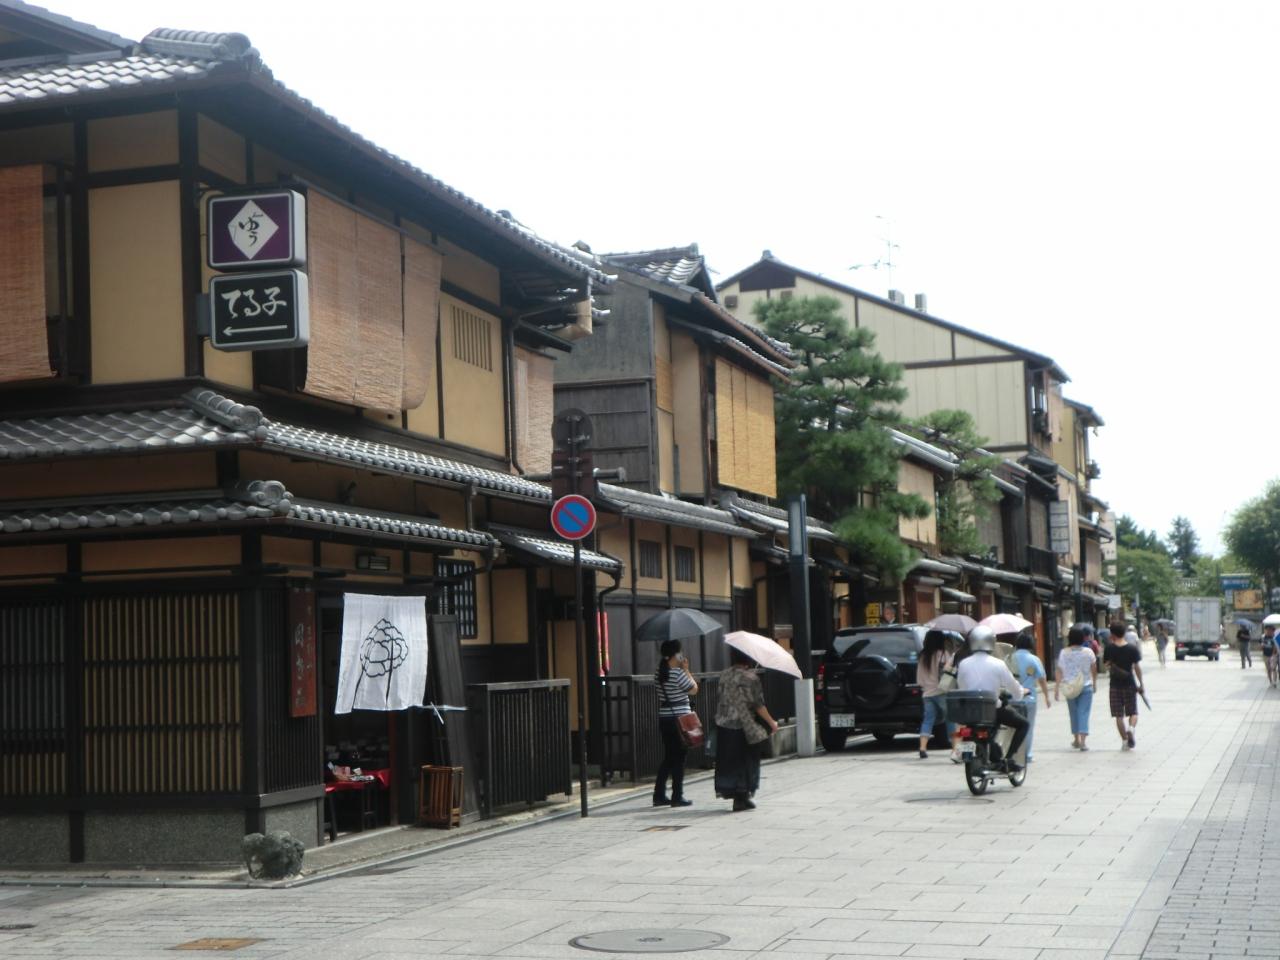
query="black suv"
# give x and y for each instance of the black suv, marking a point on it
(867, 684)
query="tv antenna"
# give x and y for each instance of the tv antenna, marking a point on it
(886, 261)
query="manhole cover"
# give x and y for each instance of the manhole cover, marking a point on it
(951, 799)
(665, 826)
(217, 943)
(649, 941)
(16, 926)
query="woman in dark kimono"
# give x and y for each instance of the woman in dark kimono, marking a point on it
(742, 724)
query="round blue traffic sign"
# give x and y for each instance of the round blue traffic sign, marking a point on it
(573, 517)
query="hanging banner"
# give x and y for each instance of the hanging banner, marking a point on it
(302, 653)
(384, 653)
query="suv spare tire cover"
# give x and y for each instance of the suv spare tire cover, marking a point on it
(873, 682)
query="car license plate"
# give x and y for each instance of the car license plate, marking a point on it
(968, 748)
(841, 720)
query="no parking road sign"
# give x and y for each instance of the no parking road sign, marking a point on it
(573, 517)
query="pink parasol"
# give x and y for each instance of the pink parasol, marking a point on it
(1005, 623)
(763, 651)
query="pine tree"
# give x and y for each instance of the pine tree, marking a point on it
(1185, 545)
(833, 444)
(967, 496)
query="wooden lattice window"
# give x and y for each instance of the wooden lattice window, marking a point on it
(458, 599)
(684, 564)
(471, 338)
(650, 559)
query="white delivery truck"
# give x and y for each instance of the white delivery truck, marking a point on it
(1199, 621)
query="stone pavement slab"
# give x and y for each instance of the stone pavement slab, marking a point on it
(870, 853)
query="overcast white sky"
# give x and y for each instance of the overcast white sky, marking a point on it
(1093, 181)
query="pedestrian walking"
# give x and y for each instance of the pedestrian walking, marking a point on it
(1091, 640)
(742, 724)
(675, 686)
(934, 659)
(1162, 643)
(1029, 670)
(1126, 676)
(1242, 641)
(1269, 654)
(1075, 678)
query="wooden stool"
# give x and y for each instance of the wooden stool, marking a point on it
(440, 796)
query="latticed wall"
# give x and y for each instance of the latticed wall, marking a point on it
(162, 694)
(33, 714)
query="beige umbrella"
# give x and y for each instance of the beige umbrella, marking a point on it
(763, 651)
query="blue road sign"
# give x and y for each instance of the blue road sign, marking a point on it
(573, 517)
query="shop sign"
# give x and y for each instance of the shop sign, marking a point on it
(257, 230)
(302, 653)
(1247, 600)
(871, 616)
(254, 311)
(1060, 527)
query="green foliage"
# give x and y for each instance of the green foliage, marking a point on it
(968, 496)
(1149, 577)
(1208, 570)
(1253, 534)
(1129, 534)
(831, 421)
(1184, 544)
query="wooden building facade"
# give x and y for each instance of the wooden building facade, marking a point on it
(174, 518)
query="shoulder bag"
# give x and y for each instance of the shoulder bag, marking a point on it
(946, 678)
(1073, 687)
(690, 727)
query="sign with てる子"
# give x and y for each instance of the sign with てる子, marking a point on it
(257, 230)
(255, 311)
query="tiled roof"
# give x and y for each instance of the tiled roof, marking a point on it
(374, 521)
(649, 506)
(125, 515)
(296, 440)
(555, 551)
(207, 418)
(675, 264)
(176, 57)
(771, 519)
(734, 345)
(84, 32)
(258, 500)
(130, 431)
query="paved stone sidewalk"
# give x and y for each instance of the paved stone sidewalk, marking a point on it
(871, 853)
(1225, 902)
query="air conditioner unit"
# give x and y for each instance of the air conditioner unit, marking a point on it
(731, 301)
(898, 297)
(1040, 421)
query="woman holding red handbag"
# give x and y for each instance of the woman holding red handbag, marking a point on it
(675, 687)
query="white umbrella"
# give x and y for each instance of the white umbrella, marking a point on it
(1005, 623)
(1271, 620)
(763, 651)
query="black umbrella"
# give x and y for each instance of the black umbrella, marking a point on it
(682, 623)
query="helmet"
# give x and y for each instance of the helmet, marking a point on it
(982, 639)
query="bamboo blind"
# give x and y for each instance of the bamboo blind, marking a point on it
(380, 323)
(331, 276)
(744, 430)
(162, 707)
(535, 396)
(662, 384)
(421, 318)
(24, 343)
(374, 309)
(33, 719)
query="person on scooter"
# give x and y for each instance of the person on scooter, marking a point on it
(981, 671)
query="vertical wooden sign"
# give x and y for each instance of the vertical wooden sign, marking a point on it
(302, 652)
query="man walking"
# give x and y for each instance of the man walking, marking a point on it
(1242, 641)
(1126, 678)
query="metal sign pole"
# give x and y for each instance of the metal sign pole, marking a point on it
(580, 629)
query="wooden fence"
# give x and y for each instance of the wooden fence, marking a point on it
(521, 741)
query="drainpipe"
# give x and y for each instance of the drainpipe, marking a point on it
(509, 413)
